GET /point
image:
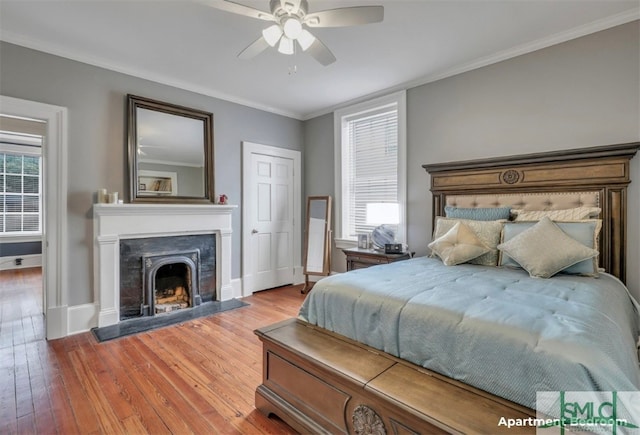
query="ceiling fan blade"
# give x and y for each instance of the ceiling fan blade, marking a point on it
(237, 8)
(321, 53)
(254, 49)
(342, 17)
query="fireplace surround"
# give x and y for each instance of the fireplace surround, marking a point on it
(141, 259)
(116, 223)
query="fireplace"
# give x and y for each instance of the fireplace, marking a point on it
(129, 236)
(170, 282)
(160, 267)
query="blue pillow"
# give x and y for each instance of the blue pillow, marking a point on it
(478, 214)
(585, 232)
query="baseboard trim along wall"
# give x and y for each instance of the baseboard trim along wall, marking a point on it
(9, 263)
(81, 318)
(236, 284)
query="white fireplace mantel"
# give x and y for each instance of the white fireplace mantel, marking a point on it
(113, 222)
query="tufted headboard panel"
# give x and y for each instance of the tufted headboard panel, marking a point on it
(596, 176)
(527, 201)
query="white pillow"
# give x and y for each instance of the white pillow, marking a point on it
(570, 214)
(544, 249)
(459, 245)
(487, 231)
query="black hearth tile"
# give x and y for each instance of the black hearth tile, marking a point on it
(143, 324)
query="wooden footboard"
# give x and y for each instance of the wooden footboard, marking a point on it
(320, 382)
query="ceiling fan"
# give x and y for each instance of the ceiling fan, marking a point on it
(291, 17)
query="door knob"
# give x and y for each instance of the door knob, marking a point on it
(254, 231)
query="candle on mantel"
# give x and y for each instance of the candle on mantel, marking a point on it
(102, 196)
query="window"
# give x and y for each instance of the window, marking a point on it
(370, 164)
(20, 184)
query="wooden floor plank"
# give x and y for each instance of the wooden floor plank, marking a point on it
(61, 408)
(107, 420)
(26, 424)
(189, 380)
(196, 377)
(127, 390)
(7, 386)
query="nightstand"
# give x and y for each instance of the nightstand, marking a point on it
(361, 258)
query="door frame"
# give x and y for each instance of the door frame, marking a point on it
(54, 213)
(249, 148)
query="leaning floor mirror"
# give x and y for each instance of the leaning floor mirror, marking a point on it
(317, 253)
(170, 152)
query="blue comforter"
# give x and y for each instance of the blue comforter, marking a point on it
(494, 328)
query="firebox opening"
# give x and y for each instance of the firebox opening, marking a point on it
(172, 288)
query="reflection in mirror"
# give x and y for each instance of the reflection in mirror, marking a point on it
(171, 145)
(317, 259)
(170, 152)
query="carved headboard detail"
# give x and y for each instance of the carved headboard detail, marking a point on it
(602, 170)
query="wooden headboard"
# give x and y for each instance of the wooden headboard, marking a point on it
(586, 173)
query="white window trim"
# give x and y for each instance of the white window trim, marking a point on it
(399, 98)
(21, 238)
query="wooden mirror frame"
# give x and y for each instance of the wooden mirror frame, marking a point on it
(133, 104)
(326, 244)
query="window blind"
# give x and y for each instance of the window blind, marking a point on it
(20, 186)
(370, 165)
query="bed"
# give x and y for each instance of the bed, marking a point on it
(421, 347)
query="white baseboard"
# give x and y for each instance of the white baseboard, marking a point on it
(236, 284)
(107, 317)
(9, 263)
(81, 318)
(298, 276)
(56, 319)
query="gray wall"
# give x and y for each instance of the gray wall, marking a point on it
(20, 248)
(95, 98)
(577, 94)
(318, 171)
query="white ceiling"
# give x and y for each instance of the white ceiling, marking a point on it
(187, 44)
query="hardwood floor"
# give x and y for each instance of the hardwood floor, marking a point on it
(195, 377)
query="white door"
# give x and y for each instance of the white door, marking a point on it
(271, 219)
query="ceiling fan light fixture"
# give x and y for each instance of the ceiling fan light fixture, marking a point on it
(306, 39)
(272, 34)
(286, 45)
(289, 33)
(292, 28)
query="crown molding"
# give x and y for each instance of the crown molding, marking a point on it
(560, 37)
(557, 38)
(57, 50)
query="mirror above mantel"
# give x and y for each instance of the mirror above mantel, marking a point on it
(170, 152)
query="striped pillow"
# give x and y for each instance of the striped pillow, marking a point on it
(570, 214)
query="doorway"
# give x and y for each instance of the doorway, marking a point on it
(21, 199)
(271, 235)
(54, 207)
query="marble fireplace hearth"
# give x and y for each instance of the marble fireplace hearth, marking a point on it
(114, 223)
